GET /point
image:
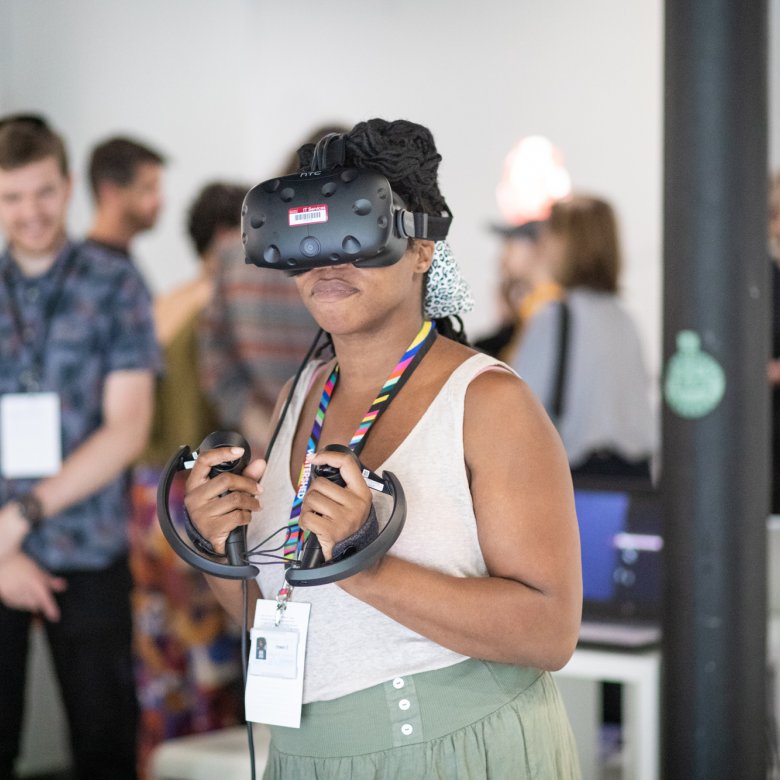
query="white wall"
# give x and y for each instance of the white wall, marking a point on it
(226, 89)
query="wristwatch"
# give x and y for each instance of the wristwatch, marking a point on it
(30, 506)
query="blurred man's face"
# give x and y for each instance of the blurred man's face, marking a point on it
(142, 199)
(33, 207)
(518, 258)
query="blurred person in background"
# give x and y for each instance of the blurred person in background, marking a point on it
(77, 363)
(533, 178)
(125, 177)
(582, 356)
(253, 336)
(526, 284)
(188, 660)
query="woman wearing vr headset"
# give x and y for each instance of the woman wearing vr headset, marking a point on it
(435, 661)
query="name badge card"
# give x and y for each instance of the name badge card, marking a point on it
(274, 685)
(30, 435)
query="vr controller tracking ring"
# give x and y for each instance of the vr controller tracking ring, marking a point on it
(235, 547)
(237, 567)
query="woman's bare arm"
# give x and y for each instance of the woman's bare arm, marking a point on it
(528, 610)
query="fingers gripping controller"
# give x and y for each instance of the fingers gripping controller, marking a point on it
(235, 546)
(299, 574)
(312, 552)
(309, 570)
(237, 567)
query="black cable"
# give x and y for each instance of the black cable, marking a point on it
(288, 401)
(244, 668)
(244, 583)
(276, 559)
(256, 549)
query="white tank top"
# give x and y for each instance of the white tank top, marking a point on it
(351, 645)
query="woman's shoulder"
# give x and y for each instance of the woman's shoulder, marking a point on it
(452, 357)
(480, 374)
(499, 406)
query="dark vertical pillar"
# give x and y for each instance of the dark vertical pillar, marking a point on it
(715, 416)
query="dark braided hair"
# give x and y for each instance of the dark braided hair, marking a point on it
(405, 154)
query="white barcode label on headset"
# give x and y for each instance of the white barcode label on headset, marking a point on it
(308, 215)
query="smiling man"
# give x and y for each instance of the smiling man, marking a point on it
(77, 360)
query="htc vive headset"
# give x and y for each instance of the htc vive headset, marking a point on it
(331, 215)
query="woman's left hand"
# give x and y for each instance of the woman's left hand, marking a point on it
(332, 512)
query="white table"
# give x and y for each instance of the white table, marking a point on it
(640, 674)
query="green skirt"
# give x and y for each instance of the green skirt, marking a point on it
(469, 721)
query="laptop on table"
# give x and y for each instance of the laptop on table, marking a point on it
(620, 537)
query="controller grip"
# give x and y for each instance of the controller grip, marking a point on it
(235, 546)
(312, 554)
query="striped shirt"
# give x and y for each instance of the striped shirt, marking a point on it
(253, 336)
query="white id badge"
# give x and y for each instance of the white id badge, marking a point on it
(274, 685)
(30, 435)
(274, 652)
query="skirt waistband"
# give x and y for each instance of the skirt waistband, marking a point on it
(405, 710)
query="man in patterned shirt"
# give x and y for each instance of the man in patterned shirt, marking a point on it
(77, 361)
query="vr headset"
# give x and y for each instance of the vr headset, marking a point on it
(331, 215)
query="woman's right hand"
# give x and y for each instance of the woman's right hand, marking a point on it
(217, 506)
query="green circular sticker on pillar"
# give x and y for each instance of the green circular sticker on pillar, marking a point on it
(695, 381)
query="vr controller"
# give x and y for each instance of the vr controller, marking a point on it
(330, 217)
(312, 552)
(236, 567)
(311, 568)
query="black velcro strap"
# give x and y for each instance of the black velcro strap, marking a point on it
(359, 540)
(424, 226)
(199, 542)
(431, 228)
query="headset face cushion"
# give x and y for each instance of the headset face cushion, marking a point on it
(322, 218)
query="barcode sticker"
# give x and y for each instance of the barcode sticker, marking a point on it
(308, 215)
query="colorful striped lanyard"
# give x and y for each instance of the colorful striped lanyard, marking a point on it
(403, 370)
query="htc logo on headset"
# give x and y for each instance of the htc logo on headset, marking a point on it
(307, 174)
